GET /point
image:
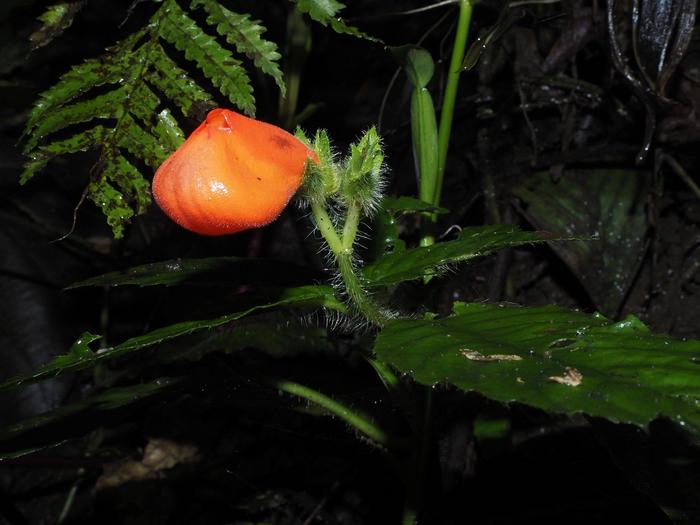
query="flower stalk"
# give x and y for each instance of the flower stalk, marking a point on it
(343, 193)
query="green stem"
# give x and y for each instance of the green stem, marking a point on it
(352, 221)
(325, 226)
(448, 102)
(356, 292)
(342, 250)
(388, 377)
(355, 420)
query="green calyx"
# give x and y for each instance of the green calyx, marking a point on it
(355, 181)
(322, 180)
(362, 183)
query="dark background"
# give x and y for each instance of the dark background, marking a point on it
(259, 461)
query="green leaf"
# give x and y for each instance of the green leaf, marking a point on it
(316, 296)
(415, 263)
(553, 359)
(327, 13)
(168, 131)
(489, 36)
(417, 63)
(424, 133)
(405, 205)
(607, 205)
(211, 271)
(244, 33)
(385, 235)
(81, 78)
(54, 427)
(55, 20)
(321, 10)
(112, 204)
(216, 62)
(419, 68)
(43, 154)
(274, 334)
(178, 85)
(109, 105)
(117, 187)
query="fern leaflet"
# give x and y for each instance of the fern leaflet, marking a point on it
(244, 33)
(327, 13)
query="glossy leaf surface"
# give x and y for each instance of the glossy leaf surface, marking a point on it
(554, 359)
(607, 206)
(406, 204)
(412, 264)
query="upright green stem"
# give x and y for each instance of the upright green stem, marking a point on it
(355, 420)
(356, 293)
(325, 226)
(352, 221)
(444, 135)
(448, 102)
(342, 249)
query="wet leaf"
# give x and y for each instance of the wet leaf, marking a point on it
(490, 36)
(606, 205)
(327, 13)
(406, 204)
(663, 31)
(415, 263)
(619, 371)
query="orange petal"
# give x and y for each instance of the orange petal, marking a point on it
(233, 173)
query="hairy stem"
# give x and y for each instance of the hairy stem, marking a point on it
(342, 249)
(355, 420)
(356, 292)
(352, 221)
(325, 226)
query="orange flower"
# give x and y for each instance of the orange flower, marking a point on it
(233, 173)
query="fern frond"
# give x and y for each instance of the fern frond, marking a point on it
(176, 84)
(54, 21)
(105, 106)
(327, 13)
(140, 143)
(131, 118)
(245, 34)
(82, 78)
(217, 63)
(168, 131)
(39, 157)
